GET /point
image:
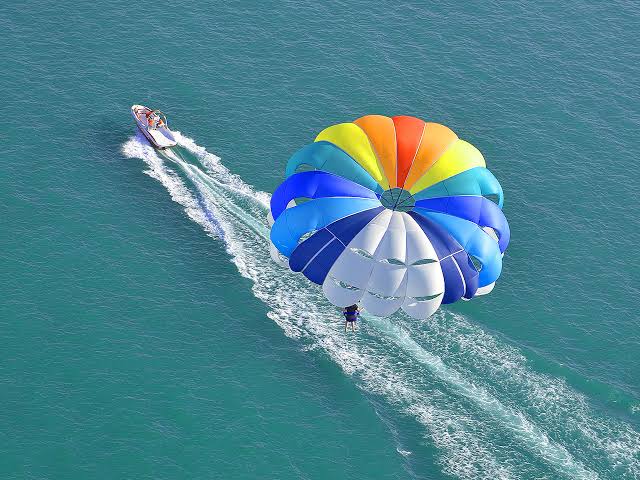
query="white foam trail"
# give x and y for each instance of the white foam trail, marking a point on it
(220, 173)
(137, 147)
(563, 413)
(522, 428)
(468, 447)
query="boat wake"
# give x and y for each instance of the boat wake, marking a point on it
(488, 413)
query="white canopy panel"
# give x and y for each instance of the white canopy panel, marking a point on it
(390, 264)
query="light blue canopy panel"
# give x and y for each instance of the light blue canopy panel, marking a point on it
(475, 241)
(327, 157)
(294, 222)
(476, 181)
(476, 209)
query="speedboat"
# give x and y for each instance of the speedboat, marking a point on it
(153, 124)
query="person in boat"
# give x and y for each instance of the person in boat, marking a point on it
(151, 118)
(351, 314)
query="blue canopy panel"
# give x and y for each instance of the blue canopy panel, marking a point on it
(315, 184)
(460, 276)
(475, 181)
(294, 222)
(329, 158)
(316, 255)
(476, 209)
(474, 240)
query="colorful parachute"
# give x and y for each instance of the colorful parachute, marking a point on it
(396, 213)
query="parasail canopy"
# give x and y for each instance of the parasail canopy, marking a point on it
(391, 212)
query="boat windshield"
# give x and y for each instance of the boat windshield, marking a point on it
(157, 119)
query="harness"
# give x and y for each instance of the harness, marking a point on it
(351, 316)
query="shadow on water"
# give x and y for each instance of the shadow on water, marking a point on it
(109, 135)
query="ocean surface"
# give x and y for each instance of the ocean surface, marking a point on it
(146, 334)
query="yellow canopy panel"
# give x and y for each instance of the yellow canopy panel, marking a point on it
(352, 139)
(459, 157)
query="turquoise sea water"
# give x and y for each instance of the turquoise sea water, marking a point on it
(147, 334)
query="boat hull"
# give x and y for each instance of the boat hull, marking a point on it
(160, 138)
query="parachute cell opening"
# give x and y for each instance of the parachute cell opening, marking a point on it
(423, 261)
(426, 298)
(493, 198)
(361, 252)
(476, 263)
(306, 236)
(393, 261)
(346, 286)
(383, 297)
